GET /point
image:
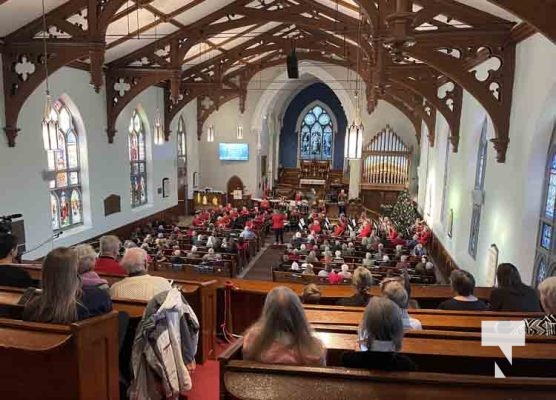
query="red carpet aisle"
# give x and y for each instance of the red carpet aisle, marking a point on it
(206, 379)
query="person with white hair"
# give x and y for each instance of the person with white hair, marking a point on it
(381, 336)
(311, 257)
(193, 253)
(307, 269)
(546, 325)
(295, 266)
(368, 260)
(247, 233)
(338, 257)
(385, 261)
(395, 291)
(139, 285)
(212, 255)
(380, 252)
(107, 262)
(344, 273)
(86, 258)
(303, 249)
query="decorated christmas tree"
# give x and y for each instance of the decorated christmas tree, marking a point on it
(403, 213)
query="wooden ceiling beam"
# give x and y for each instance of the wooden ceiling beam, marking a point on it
(539, 13)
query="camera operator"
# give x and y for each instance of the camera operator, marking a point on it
(11, 275)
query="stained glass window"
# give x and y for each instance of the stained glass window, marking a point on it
(546, 236)
(316, 137)
(479, 187)
(182, 153)
(551, 191)
(66, 209)
(137, 160)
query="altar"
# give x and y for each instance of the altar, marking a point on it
(312, 182)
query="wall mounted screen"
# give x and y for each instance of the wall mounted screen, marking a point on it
(233, 151)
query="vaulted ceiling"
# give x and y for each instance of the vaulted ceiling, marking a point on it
(418, 55)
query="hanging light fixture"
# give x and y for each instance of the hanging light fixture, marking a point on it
(49, 124)
(239, 132)
(158, 131)
(353, 145)
(210, 134)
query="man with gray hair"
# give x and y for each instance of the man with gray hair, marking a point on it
(107, 262)
(138, 285)
(395, 291)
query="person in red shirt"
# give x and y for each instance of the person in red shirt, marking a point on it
(425, 236)
(278, 226)
(298, 197)
(315, 227)
(366, 230)
(339, 229)
(265, 204)
(106, 261)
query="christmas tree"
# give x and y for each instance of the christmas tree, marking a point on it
(403, 213)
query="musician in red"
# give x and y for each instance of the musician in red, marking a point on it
(425, 236)
(278, 226)
(315, 227)
(298, 197)
(366, 230)
(265, 204)
(340, 228)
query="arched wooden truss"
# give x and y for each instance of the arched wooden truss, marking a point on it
(421, 80)
(386, 162)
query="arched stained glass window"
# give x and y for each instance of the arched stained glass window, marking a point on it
(66, 209)
(137, 160)
(546, 248)
(182, 162)
(316, 136)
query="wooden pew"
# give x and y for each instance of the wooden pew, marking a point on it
(52, 361)
(430, 319)
(241, 379)
(200, 295)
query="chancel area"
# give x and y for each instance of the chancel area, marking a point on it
(277, 199)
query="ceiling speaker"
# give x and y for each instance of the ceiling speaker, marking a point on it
(293, 68)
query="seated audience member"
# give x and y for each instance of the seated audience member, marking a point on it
(303, 250)
(512, 294)
(295, 266)
(62, 299)
(311, 294)
(86, 258)
(12, 275)
(546, 325)
(107, 260)
(385, 261)
(247, 234)
(368, 260)
(334, 278)
(421, 268)
(463, 285)
(193, 253)
(138, 285)
(418, 250)
(380, 252)
(128, 244)
(212, 256)
(361, 281)
(308, 269)
(311, 257)
(282, 335)
(381, 333)
(395, 291)
(344, 272)
(338, 257)
(323, 273)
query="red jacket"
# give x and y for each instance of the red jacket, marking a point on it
(107, 265)
(315, 228)
(366, 231)
(339, 230)
(278, 221)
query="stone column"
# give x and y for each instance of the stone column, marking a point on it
(354, 178)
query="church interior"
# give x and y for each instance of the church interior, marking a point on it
(270, 199)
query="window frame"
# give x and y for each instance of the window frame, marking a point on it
(480, 175)
(139, 161)
(332, 123)
(59, 192)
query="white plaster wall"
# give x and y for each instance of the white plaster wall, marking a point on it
(513, 190)
(106, 165)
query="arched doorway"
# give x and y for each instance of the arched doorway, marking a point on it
(234, 183)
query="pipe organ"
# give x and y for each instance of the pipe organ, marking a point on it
(386, 162)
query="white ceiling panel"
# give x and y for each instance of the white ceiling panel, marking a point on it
(16, 13)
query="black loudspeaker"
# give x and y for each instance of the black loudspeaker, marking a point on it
(293, 69)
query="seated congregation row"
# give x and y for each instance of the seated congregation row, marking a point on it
(283, 335)
(70, 290)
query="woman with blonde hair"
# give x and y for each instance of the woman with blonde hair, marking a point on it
(362, 281)
(62, 300)
(282, 335)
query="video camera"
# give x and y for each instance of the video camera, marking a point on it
(6, 223)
